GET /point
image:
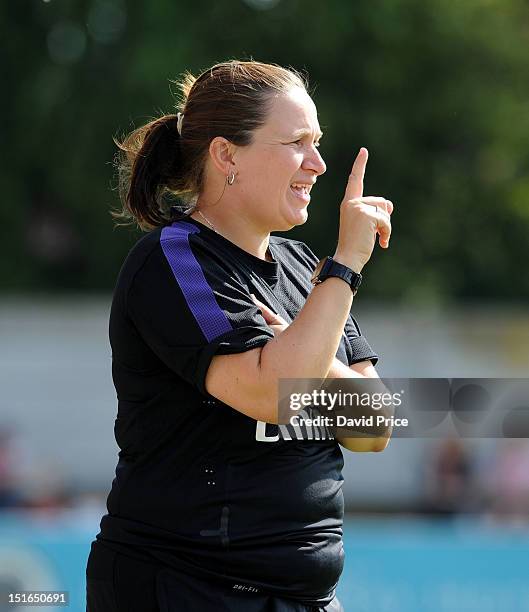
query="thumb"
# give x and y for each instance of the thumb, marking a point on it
(269, 315)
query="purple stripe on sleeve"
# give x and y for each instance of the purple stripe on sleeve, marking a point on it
(199, 296)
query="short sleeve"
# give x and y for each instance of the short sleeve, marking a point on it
(188, 312)
(360, 348)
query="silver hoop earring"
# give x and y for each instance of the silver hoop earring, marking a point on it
(230, 178)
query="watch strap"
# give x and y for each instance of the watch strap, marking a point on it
(331, 268)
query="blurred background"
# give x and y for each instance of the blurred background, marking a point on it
(438, 92)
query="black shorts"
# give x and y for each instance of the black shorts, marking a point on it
(118, 583)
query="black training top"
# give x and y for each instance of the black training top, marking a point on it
(199, 486)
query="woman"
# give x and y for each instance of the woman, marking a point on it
(209, 510)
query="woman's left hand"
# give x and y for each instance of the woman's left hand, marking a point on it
(276, 322)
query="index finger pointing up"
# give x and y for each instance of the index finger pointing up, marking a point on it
(355, 184)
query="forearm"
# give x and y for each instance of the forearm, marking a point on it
(302, 351)
(306, 349)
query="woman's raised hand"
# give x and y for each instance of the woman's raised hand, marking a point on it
(361, 219)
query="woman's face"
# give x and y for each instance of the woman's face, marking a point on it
(275, 174)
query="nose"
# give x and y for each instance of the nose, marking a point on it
(314, 162)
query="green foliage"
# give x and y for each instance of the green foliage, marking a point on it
(436, 90)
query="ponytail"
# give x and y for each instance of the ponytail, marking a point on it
(149, 165)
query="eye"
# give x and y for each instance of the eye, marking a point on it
(300, 142)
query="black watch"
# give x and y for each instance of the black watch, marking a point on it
(327, 267)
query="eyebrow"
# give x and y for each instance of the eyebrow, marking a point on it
(304, 132)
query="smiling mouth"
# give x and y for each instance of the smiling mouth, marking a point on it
(301, 190)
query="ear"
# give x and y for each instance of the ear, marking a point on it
(221, 152)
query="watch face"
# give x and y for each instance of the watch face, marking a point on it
(326, 266)
(317, 271)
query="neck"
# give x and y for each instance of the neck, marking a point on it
(237, 229)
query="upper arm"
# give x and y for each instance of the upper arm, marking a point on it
(365, 368)
(188, 311)
(357, 444)
(236, 381)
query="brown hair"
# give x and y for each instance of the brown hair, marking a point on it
(156, 163)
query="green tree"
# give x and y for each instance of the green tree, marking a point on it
(436, 90)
